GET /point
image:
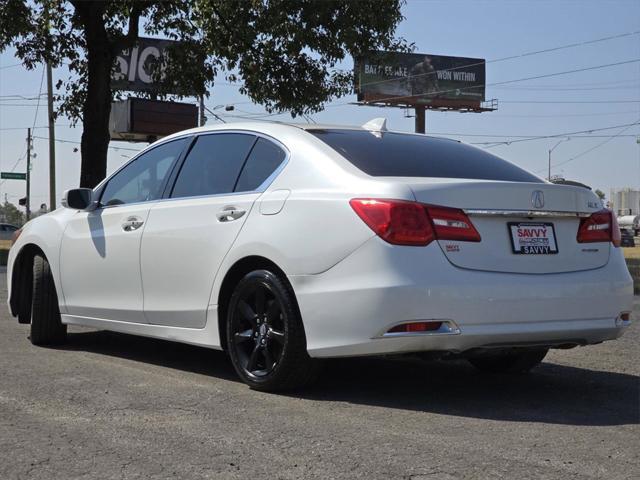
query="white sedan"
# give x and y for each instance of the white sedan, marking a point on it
(285, 244)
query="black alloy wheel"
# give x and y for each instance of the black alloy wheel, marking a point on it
(265, 337)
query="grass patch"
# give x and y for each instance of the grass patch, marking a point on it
(631, 252)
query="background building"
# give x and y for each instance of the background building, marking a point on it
(625, 201)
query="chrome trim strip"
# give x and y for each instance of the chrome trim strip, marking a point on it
(523, 213)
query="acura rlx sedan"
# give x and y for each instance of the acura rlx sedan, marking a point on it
(285, 244)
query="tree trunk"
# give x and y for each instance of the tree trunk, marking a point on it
(97, 105)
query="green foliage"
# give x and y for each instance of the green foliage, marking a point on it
(601, 195)
(284, 54)
(9, 213)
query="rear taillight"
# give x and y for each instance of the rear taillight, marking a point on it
(401, 222)
(601, 226)
(452, 224)
(396, 221)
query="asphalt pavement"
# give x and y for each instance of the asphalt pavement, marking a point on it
(114, 406)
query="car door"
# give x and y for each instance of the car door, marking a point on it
(100, 251)
(188, 235)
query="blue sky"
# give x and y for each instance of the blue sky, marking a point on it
(484, 29)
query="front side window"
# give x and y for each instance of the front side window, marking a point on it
(213, 165)
(265, 157)
(143, 179)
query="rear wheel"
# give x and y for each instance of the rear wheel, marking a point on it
(46, 327)
(509, 361)
(265, 336)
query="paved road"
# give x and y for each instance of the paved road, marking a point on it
(113, 406)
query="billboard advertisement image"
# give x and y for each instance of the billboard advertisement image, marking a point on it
(420, 79)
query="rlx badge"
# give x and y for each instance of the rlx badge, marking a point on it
(537, 199)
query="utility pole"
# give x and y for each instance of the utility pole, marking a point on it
(420, 119)
(27, 198)
(52, 142)
(551, 150)
(203, 119)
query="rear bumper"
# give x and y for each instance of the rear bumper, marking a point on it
(346, 308)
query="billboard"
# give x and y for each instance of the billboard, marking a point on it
(134, 67)
(420, 79)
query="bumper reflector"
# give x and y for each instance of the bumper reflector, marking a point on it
(414, 327)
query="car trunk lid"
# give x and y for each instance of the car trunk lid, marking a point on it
(513, 217)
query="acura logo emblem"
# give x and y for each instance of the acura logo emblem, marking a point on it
(537, 199)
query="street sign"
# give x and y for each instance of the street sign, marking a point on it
(13, 176)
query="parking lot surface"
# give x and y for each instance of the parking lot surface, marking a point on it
(113, 406)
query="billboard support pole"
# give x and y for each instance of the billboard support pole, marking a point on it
(420, 118)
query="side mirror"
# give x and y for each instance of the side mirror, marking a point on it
(77, 198)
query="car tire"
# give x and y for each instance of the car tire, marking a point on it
(25, 292)
(509, 362)
(265, 336)
(46, 327)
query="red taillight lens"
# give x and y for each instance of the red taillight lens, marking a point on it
(411, 223)
(452, 224)
(601, 226)
(396, 221)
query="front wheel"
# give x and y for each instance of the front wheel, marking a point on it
(265, 336)
(46, 327)
(510, 361)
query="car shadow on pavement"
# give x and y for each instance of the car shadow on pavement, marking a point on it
(178, 356)
(552, 393)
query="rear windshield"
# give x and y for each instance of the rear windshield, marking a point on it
(402, 155)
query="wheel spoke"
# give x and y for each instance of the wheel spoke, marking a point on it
(273, 312)
(247, 312)
(277, 336)
(268, 359)
(260, 301)
(253, 359)
(244, 336)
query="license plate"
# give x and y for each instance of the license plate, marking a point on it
(533, 238)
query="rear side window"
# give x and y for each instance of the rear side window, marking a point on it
(262, 162)
(213, 165)
(402, 155)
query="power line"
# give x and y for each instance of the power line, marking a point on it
(35, 117)
(568, 89)
(10, 66)
(569, 101)
(589, 150)
(594, 114)
(78, 143)
(23, 128)
(566, 134)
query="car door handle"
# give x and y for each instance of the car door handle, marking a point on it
(131, 224)
(230, 214)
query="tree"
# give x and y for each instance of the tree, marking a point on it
(284, 54)
(9, 213)
(601, 195)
